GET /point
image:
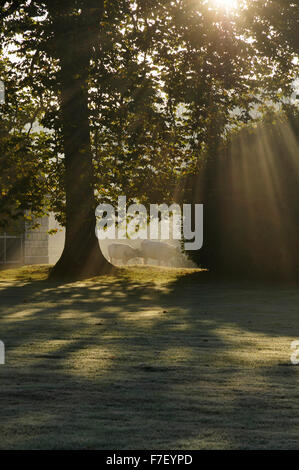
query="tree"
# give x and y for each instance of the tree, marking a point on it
(251, 203)
(25, 156)
(67, 38)
(73, 39)
(146, 86)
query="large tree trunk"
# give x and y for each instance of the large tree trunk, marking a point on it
(81, 256)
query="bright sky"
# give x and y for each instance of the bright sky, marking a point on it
(226, 4)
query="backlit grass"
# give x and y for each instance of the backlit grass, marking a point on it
(148, 359)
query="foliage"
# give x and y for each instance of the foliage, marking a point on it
(25, 155)
(250, 194)
(166, 81)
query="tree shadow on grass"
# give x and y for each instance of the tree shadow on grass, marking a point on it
(117, 364)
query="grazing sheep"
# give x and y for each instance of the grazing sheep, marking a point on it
(122, 252)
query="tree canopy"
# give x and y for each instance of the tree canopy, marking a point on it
(134, 95)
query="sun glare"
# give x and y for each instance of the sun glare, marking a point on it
(226, 4)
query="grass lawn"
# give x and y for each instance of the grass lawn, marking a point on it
(149, 358)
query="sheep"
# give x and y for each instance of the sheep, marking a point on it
(159, 251)
(122, 252)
